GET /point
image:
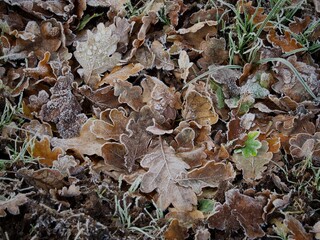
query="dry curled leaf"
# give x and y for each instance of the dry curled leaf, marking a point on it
(253, 166)
(289, 84)
(44, 178)
(65, 164)
(210, 175)
(162, 57)
(199, 108)
(41, 150)
(239, 210)
(12, 205)
(175, 231)
(112, 130)
(42, 70)
(286, 42)
(98, 54)
(85, 144)
(296, 228)
(164, 168)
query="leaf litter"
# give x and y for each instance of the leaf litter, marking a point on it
(159, 119)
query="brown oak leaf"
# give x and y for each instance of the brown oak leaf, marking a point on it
(252, 167)
(199, 108)
(113, 130)
(210, 175)
(138, 139)
(289, 84)
(85, 144)
(98, 54)
(162, 57)
(164, 168)
(44, 178)
(41, 150)
(286, 42)
(114, 155)
(12, 205)
(175, 231)
(239, 210)
(296, 228)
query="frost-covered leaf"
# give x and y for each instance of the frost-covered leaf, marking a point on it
(210, 175)
(114, 155)
(41, 150)
(175, 231)
(199, 108)
(239, 210)
(113, 130)
(98, 54)
(85, 144)
(184, 64)
(63, 108)
(12, 205)
(253, 167)
(251, 145)
(44, 178)
(164, 169)
(296, 228)
(286, 42)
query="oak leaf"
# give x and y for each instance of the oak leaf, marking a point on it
(98, 54)
(41, 150)
(175, 231)
(12, 205)
(164, 169)
(199, 108)
(296, 228)
(286, 42)
(113, 130)
(85, 144)
(240, 210)
(253, 166)
(210, 175)
(45, 178)
(114, 154)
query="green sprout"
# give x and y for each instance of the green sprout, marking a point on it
(251, 145)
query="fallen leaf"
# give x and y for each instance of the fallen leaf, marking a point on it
(186, 219)
(239, 210)
(41, 150)
(253, 167)
(296, 228)
(175, 231)
(42, 70)
(164, 168)
(113, 130)
(184, 64)
(12, 205)
(121, 74)
(44, 178)
(162, 57)
(210, 175)
(199, 108)
(98, 54)
(289, 84)
(299, 25)
(114, 155)
(85, 144)
(71, 191)
(286, 42)
(64, 164)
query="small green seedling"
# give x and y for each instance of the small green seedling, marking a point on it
(251, 145)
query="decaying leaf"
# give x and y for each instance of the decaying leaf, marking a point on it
(210, 175)
(113, 130)
(175, 231)
(12, 205)
(306, 146)
(164, 168)
(184, 64)
(296, 228)
(289, 84)
(213, 52)
(85, 144)
(238, 211)
(44, 178)
(138, 139)
(41, 150)
(199, 108)
(65, 164)
(63, 108)
(162, 57)
(253, 167)
(286, 42)
(98, 54)
(114, 155)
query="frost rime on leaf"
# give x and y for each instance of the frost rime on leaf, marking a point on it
(97, 54)
(165, 167)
